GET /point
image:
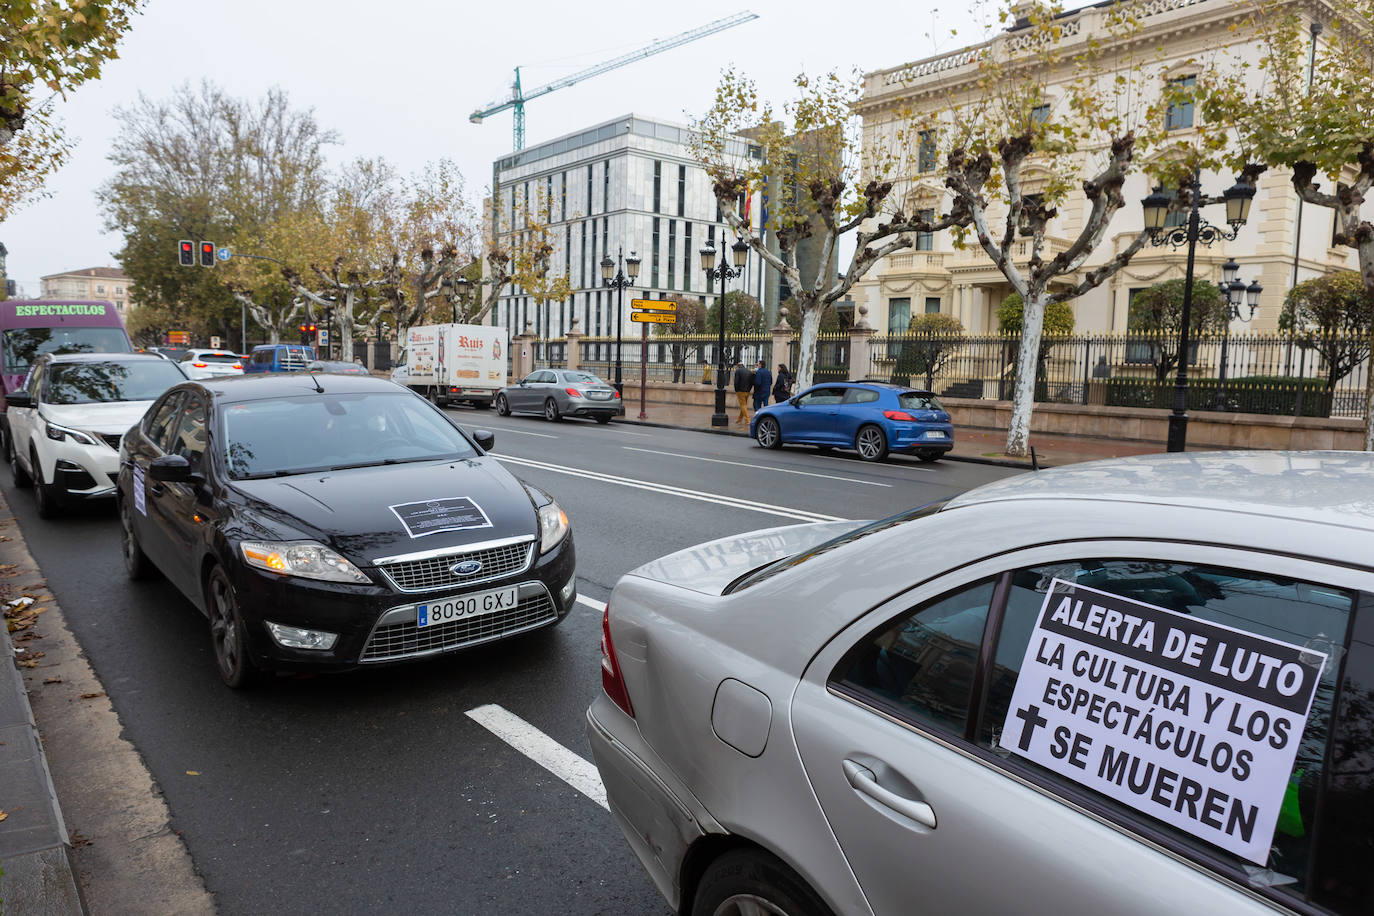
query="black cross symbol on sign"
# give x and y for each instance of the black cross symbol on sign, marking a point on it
(1031, 716)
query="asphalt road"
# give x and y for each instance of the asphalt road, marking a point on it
(374, 790)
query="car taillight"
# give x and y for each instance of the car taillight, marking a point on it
(200, 365)
(617, 394)
(238, 365)
(453, 391)
(899, 415)
(611, 680)
(573, 392)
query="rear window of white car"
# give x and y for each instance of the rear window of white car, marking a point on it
(98, 382)
(212, 358)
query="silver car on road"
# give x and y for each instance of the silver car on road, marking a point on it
(558, 393)
(1133, 687)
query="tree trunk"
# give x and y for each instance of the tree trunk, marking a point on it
(273, 335)
(810, 334)
(1366, 249)
(1027, 367)
(346, 326)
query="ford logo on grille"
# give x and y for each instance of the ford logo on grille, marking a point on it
(466, 568)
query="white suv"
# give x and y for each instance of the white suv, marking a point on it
(199, 364)
(67, 421)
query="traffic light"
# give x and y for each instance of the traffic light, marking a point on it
(207, 254)
(307, 331)
(187, 253)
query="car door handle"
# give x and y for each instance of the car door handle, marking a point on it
(864, 780)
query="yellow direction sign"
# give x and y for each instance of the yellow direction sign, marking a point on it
(654, 305)
(652, 318)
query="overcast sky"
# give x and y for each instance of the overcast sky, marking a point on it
(398, 79)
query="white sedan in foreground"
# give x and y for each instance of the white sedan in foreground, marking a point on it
(66, 423)
(1132, 687)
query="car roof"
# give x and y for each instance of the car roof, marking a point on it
(1318, 486)
(212, 350)
(261, 386)
(880, 386)
(100, 357)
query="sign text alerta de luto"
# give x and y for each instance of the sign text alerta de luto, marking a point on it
(33, 311)
(1191, 722)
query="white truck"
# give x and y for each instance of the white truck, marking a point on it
(455, 363)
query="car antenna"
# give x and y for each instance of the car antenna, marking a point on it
(315, 381)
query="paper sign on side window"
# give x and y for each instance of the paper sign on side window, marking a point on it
(1191, 722)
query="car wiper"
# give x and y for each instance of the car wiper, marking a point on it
(282, 472)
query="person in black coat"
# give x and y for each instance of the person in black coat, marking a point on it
(782, 385)
(744, 383)
(763, 383)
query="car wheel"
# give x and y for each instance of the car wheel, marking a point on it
(136, 562)
(768, 434)
(602, 419)
(21, 477)
(228, 639)
(928, 454)
(551, 410)
(749, 882)
(502, 405)
(44, 494)
(871, 443)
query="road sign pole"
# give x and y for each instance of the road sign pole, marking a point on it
(643, 365)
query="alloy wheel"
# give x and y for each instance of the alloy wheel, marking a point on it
(871, 444)
(550, 410)
(748, 905)
(768, 434)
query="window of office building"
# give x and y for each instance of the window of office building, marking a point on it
(606, 187)
(682, 190)
(658, 184)
(1180, 115)
(548, 198)
(590, 208)
(672, 253)
(687, 258)
(926, 152)
(653, 257)
(567, 252)
(925, 241)
(582, 261)
(563, 197)
(932, 305)
(1040, 113)
(605, 237)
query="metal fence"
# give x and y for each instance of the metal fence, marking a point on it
(676, 358)
(1248, 373)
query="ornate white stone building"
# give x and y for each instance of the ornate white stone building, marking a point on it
(1283, 243)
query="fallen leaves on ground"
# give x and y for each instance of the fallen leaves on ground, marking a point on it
(92, 696)
(193, 772)
(29, 659)
(3, 815)
(52, 680)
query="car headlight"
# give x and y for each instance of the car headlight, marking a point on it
(306, 559)
(62, 432)
(553, 526)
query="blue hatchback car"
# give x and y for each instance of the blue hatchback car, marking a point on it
(873, 418)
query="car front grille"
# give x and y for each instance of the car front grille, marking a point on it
(433, 573)
(112, 439)
(394, 641)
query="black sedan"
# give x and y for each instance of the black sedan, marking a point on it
(329, 522)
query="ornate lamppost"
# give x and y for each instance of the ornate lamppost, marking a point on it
(618, 275)
(1234, 289)
(1237, 198)
(722, 272)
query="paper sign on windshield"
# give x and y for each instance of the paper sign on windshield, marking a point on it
(431, 516)
(1190, 722)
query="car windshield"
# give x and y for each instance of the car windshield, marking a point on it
(916, 400)
(320, 432)
(87, 383)
(769, 570)
(24, 345)
(582, 378)
(211, 358)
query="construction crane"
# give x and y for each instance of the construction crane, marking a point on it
(519, 98)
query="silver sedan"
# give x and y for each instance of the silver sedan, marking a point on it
(1130, 687)
(558, 393)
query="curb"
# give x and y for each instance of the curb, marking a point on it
(949, 456)
(35, 850)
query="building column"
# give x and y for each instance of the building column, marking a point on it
(860, 355)
(574, 337)
(523, 363)
(782, 339)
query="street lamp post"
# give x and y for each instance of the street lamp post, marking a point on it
(1234, 289)
(617, 275)
(722, 272)
(1237, 198)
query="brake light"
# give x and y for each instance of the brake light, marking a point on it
(573, 392)
(238, 365)
(200, 365)
(453, 391)
(617, 394)
(899, 415)
(611, 680)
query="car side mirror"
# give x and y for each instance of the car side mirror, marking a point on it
(170, 469)
(485, 439)
(18, 399)
(795, 402)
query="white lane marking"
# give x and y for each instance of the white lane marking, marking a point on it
(730, 501)
(626, 432)
(758, 467)
(542, 749)
(597, 606)
(518, 432)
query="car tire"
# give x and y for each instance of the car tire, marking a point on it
(136, 562)
(768, 433)
(602, 419)
(502, 405)
(551, 410)
(45, 498)
(752, 881)
(22, 480)
(228, 637)
(928, 454)
(871, 443)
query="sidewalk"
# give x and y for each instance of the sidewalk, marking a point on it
(983, 446)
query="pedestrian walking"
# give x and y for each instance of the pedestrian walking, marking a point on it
(744, 384)
(782, 385)
(763, 384)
